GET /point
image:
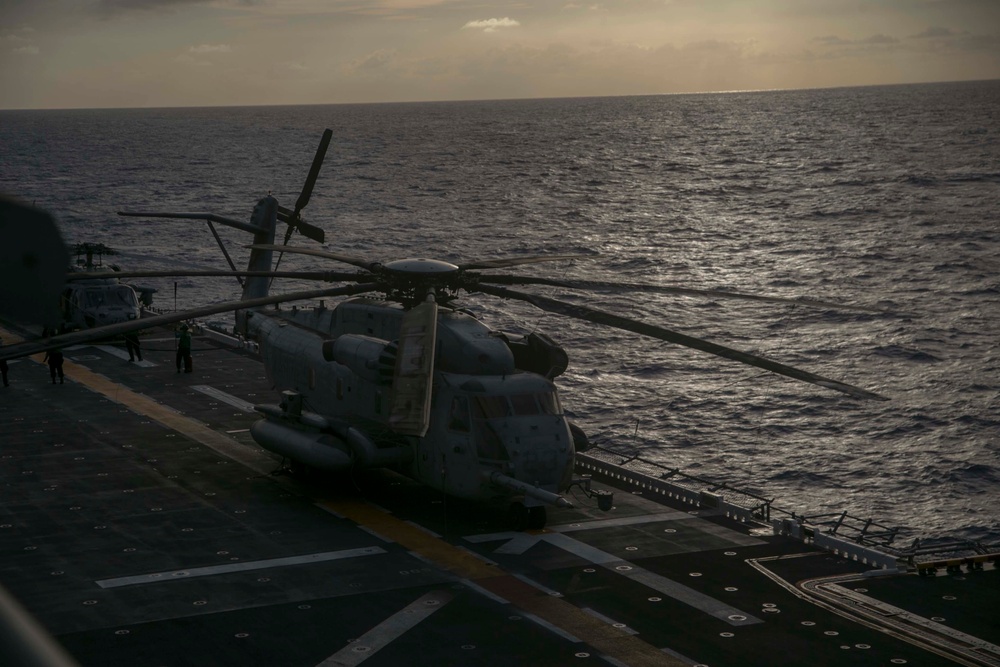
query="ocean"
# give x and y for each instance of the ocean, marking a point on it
(878, 196)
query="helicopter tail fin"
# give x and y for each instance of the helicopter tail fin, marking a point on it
(265, 219)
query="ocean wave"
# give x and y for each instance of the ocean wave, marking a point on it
(900, 352)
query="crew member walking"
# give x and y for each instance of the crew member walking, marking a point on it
(183, 348)
(132, 345)
(55, 359)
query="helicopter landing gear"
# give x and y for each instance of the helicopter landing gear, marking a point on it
(526, 518)
(517, 516)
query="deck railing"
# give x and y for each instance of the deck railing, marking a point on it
(863, 540)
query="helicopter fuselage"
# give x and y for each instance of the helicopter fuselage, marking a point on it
(491, 422)
(98, 302)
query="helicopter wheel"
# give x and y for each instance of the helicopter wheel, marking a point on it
(518, 516)
(537, 517)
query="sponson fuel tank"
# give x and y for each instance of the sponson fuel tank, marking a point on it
(319, 450)
(316, 441)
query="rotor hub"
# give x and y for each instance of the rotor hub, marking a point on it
(421, 268)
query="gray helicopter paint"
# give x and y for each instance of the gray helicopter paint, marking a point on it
(471, 362)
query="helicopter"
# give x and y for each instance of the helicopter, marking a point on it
(92, 298)
(409, 380)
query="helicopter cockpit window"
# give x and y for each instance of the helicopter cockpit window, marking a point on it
(544, 403)
(524, 404)
(93, 298)
(124, 296)
(549, 402)
(112, 296)
(491, 407)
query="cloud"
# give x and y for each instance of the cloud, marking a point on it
(210, 48)
(937, 31)
(186, 59)
(491, 25)
(10, 37)
(21, 40)
(879, 39)
(373, 62)
(114, 6)
(833, 40)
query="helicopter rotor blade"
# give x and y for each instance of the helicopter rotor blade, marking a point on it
(328, 276)
(517, 261)
(413, 378)
(309, 231)
(635, 326)
(346, 259)
(85, 336)
(294, 218)
(208, 217)
(317, 164)
(503, 279)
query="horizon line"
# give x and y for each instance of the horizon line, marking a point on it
(501, 99)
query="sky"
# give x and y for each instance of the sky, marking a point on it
(165, 53)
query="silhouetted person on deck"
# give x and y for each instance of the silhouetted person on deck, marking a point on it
(132, 345)
(184, 348)
(55, 359)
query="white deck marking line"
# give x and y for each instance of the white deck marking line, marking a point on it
(623, 521)
(657, 582)
(583, 550)
(583, 525)
(685, 594)
(220, 395)
(485, 593)
(122, 354)
(388, 630)
(715, 530)
(160, 577)
(518, 543)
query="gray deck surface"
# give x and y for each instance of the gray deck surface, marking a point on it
(136, 544)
